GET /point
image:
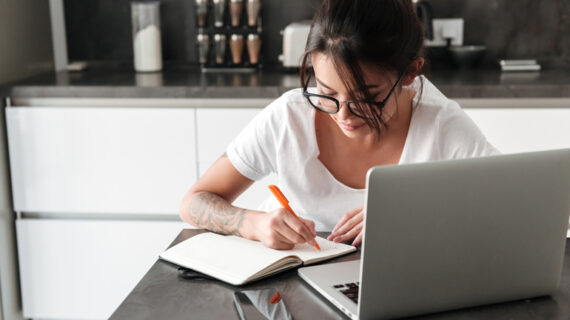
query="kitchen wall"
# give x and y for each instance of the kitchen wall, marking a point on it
(25, 39)
(100, 29)
(518, 29)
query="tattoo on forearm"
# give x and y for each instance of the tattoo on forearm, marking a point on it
(212, 212)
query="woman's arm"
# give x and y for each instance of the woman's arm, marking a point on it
(208, 205)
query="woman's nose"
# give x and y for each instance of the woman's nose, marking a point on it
(344, 112)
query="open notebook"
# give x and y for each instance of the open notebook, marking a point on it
(237, 261)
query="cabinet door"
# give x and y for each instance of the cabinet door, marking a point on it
(216, 128)
(520, 130)
(101, 160)
(84, 269)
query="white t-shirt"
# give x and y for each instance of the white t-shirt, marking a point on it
(281, 140)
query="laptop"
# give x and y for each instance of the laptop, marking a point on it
(452, 234)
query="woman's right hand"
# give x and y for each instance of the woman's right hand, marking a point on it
(279, 229)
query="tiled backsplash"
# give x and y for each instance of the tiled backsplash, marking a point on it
(101, 29)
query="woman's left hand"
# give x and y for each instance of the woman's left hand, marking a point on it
(349, 227)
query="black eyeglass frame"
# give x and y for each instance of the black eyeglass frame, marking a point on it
(378, 104)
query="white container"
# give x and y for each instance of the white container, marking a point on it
(147, 45)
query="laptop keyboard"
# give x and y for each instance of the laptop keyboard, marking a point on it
(350, 290)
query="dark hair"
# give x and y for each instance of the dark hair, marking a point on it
(381, 33)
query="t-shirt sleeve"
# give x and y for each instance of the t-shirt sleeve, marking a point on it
(253, 152)
(461, 138)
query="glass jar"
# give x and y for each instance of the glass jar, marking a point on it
(147, 46)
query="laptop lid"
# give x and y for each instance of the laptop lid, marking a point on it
(451, 234)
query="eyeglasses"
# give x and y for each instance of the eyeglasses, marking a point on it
(331, 105)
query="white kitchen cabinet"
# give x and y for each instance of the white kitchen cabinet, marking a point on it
(83, 269)
(215, 129)
(514, 130)
(101, 160)
(113, 179)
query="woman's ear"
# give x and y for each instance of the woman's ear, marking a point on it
(413, 71)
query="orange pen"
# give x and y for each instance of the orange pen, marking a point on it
(276, 298)
(285, 204)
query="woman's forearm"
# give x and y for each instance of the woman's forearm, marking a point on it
(210, 211)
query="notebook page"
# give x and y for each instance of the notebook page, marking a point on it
(230, 258)
(329, 249)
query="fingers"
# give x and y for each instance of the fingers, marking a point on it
(311, 225)
(277, 241)
(347, 216)
(350, 234)
(357, 240)
(292, 232)
(347, 223)
(299, 228)
(348, 226)
(286, 228)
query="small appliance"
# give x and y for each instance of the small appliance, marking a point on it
(294, 41)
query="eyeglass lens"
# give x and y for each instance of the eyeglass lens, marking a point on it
(330, 106)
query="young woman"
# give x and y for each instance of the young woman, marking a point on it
(370, 107)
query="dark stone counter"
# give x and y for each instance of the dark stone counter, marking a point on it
(190, 82)
(161, 294)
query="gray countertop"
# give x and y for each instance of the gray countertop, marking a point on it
(190, 82)
(161, 294)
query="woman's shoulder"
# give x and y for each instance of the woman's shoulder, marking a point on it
(455, 133)
(431, 104)
(290, 107)
(288, 115)
(291, 101)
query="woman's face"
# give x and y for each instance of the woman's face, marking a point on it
(330, 84)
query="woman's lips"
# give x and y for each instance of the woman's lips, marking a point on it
(349, 127)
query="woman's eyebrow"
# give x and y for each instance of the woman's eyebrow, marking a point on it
(369, 86)
(323, 84)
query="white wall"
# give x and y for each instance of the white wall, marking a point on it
(10, 304)
(25, 50)
(25, 39)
